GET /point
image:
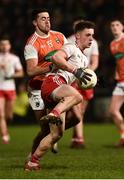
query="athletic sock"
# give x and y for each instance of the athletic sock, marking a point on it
(122, 134)
(34, 158)
(79, 140)
(55, 112)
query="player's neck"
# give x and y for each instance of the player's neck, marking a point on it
(5, 53)
(42, 34)
(119, 36)
(79, 46)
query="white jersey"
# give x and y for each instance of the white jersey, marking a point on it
(12, 63)
(76, 58)
(92, 50)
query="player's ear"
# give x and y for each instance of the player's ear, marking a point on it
(77, 35)
(34, 23)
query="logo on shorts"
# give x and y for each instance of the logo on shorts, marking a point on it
(36, 100)
(37, 104)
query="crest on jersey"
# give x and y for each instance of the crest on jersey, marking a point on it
(57, 40)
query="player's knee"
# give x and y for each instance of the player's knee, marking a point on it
(2, 116)
(113, 113)
(79, 98)
(56, 136)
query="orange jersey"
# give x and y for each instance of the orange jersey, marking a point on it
(117, 50)
(42, 48)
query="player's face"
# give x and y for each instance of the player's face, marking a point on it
(42, 23)
(116, 27)
(5, 46)
(86, 38)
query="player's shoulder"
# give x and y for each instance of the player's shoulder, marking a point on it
(69, 44)
(14, 56)
(113, 42)
(57, 33)
(32, 39)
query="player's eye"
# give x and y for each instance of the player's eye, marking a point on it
(43, 18)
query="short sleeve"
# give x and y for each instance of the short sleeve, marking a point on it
(18, 65)
(95, 50)
(30, 52)
(69, 49)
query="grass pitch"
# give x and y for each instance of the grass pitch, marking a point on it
(99, 160)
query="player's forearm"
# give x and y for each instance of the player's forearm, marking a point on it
(37, 70)
(94, 62)
(60, 61)
(18, 74)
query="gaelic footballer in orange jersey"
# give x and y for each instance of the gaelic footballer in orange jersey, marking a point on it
(42, 48)
(117, 100)
(117, 49)
(39, 47)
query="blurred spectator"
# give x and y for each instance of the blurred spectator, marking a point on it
(117, 100)
(10, 68)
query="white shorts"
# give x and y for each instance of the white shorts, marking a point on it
(35, 100)
(119, 89)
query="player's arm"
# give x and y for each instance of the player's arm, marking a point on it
(94, 58)
(31, 57)
(60, 59)
(18, 73)
(116, 76)
(94, 62)
(33, 69)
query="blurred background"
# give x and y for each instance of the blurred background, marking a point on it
(16, 22)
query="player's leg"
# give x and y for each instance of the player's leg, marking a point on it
(67, 97)
(45, 130)
(71, 98)
(78, 130)
(9, 109)
(36, 141)
(71, 120)
(56, 132)
(114, 110)
(3, 124)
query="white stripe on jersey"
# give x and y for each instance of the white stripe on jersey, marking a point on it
(33, 39)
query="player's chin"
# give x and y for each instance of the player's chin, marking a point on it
(47, 28)
(88, 45)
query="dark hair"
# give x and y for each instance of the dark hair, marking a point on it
(4, 37)
(117, 19)
(35, 12)
(84, 24)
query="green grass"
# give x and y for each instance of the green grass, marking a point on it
(98, 161)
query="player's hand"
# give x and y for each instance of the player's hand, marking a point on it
(8, 77)
(52, 67)
(81, 75)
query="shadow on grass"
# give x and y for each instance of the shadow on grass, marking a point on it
(111, 146)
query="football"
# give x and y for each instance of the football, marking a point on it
(90, 84)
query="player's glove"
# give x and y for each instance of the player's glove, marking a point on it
(81, 75)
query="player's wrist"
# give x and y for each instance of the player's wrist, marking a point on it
(79, 73)
(74, 70)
